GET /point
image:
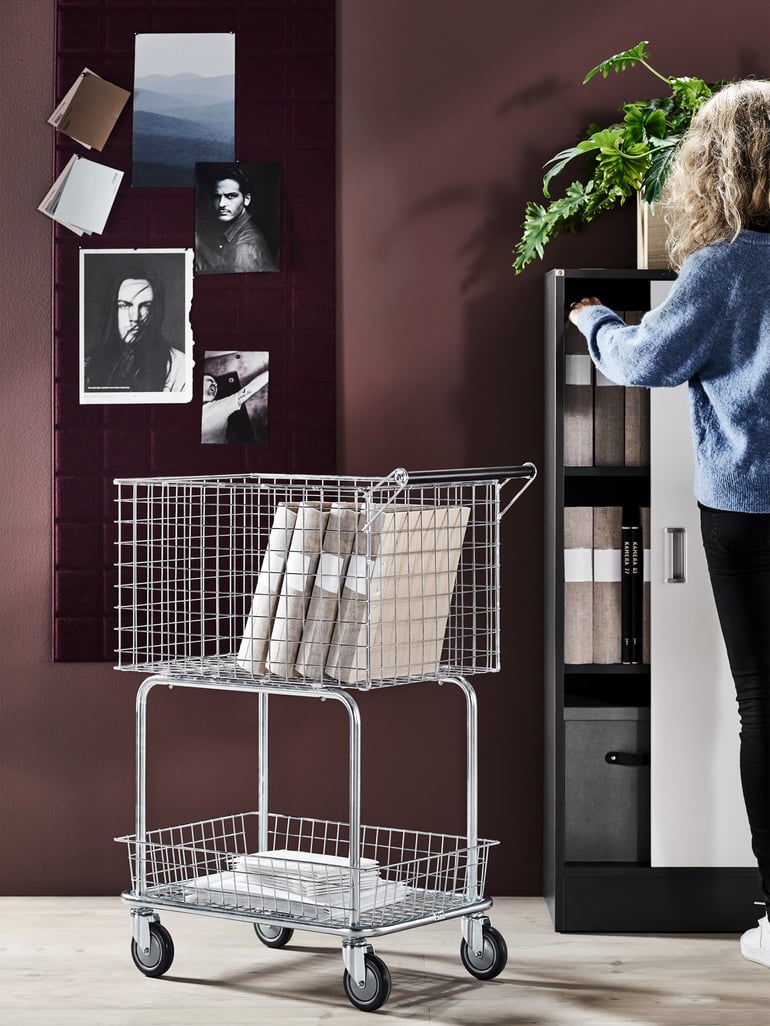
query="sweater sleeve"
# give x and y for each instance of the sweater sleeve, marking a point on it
(672, 342)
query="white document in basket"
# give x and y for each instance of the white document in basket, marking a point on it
(252, 891)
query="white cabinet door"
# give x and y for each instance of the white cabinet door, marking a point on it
(697, 815)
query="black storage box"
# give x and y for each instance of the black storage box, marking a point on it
(607, 784)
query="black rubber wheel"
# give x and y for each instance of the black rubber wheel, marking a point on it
(376, 988)
(273, 936)
(493, 957)
(160, 956)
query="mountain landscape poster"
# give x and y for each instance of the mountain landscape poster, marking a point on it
(184, 105)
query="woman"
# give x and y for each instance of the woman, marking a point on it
(131, 353)
(713, 331)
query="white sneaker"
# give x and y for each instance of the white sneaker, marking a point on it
(755, 944)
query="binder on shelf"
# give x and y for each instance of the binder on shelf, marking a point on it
(301, 563)
(609, 422)
(626, 633)
(637, 593)
(637, 427)
(631, 593)
(646, 577)
(321, 617)
(637, 415)
(578, 584)
(252, 652)
(578, 400)
(607, 597)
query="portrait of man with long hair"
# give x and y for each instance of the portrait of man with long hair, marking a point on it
(134, 326)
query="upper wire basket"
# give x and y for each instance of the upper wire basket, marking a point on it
(349, 582)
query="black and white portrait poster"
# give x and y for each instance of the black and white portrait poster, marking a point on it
(135, 334)
(237, 217)
(234, 406)
(184, 104)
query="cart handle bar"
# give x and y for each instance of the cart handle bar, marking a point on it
(402, 477)
(502, 474)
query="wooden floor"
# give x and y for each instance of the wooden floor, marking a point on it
(66, 962)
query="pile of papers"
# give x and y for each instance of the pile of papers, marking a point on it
(302, 883)
(82, 196)
(88, 111)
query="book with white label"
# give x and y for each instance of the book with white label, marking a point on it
(578, 584)
(609, 422)
(370, 577)
(607, 584)
(578, 400)
(646, 577)
(321, 616)
(637, 415)
(252, 653)
(296, 587)
(636, 616)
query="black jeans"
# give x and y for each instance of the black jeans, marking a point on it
(737, 547)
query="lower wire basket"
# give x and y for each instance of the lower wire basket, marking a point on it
(303, 873)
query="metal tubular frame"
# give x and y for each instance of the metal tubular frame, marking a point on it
(354, 933)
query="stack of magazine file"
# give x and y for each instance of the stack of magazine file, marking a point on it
(351, 593)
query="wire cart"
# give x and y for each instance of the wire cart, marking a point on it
(315, 588)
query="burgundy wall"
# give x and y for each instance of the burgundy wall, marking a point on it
(446, 111)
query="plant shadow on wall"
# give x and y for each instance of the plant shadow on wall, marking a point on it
(500, 386)
(500, 365)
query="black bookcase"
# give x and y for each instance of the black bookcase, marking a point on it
(597, 873)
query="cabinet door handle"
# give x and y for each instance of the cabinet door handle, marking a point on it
(627, 758)
(676, 555)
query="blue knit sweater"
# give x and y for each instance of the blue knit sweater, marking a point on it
(712, 331)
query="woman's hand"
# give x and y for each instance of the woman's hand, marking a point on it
(581, 304)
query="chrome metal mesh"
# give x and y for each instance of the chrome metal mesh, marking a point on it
(304, 875)
(341, 581)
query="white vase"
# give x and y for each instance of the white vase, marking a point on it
(651, 234)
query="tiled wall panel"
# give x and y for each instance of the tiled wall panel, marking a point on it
(285, 87)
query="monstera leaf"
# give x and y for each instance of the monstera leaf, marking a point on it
(614, 162)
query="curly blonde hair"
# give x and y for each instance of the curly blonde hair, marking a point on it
(720, 178)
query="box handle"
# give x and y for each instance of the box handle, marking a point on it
(627, 758)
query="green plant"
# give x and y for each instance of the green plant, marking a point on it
(629, 157)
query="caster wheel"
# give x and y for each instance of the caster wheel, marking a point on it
(376, 988)
(492, 959)
(160, 956)
(273, 936)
